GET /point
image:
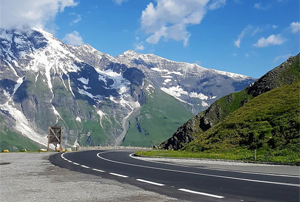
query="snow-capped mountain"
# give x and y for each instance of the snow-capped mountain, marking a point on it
(93, 95)
(189, 83)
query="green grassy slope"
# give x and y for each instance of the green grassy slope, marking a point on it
(159, 117)
(287, 73)
(15, 142)
(268, 123)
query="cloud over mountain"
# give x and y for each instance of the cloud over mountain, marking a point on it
(169, 19)
(19, 13)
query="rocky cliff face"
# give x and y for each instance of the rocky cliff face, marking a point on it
(285, 74)
(91, 94)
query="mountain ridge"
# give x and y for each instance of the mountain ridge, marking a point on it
(92, 94)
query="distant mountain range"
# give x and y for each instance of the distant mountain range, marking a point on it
(130, 99)
(264, 116)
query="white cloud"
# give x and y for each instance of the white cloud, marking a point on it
(169, 18)
(295, 26)
(271, 40)
(257, 5)
(245, 31)
(139, 47)
(78, 18)
(32, 13)
(217, 4)
(119, 2)
(260, 7)
(282, 57)
(73, 39)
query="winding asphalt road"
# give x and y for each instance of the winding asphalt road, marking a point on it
(182, 182)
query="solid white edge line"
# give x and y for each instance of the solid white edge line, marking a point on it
(201, 193)
(149, 182)
(76, 163)
(84, 166)
(210, 175)
(236, 171)
(94, 169)
(116, 174)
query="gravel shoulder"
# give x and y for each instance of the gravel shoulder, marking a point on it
(31, 177)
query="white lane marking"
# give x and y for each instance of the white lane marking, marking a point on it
(62, 156)
(94, 169)
(149, 182)
(209, 175)
(116, 174)
(201, 193)
(84, 166)
(236, 171)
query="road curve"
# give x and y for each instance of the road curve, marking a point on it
(181, 182)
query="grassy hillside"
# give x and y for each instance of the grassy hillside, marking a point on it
(269, 124)
(14, 141)
(285, 74)
(269, 121)
(158, 119)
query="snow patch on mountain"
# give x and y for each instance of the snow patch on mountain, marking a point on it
(22, 124)
(204, 104)
(94, 97)
(150, 89)
(176, 91)
(84, 81)
(167, 81)
(232, 75)
(102, 78)
(101, 115)
(12, 68)
(200, 95)
(78, 119)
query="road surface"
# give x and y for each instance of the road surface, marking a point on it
(186, 183)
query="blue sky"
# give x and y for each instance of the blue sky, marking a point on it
(248, 37)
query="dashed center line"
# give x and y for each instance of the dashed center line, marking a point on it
(149, 182)
(116, 174)
(145, 181)
(94, 169)
(201, 193)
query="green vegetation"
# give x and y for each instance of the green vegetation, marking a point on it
(159, 117)
(15, 142)
(269, 124)
(270, 121)
(234, 154)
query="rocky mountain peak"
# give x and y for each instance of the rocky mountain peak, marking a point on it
(45, 81)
